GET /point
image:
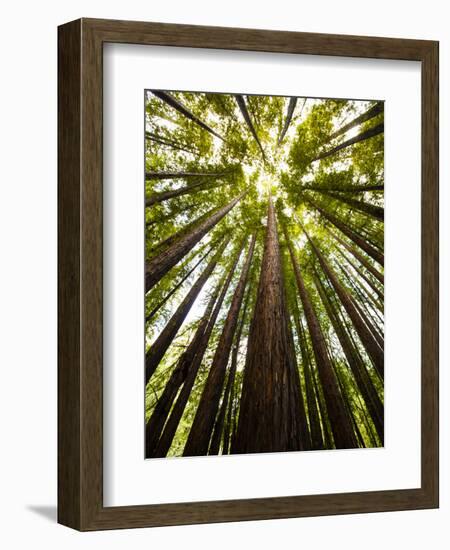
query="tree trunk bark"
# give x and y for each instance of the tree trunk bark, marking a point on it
(379, 276)
(177, 105)
(165, 260)
(180, 175)
(371, 132)
(170, 143)
(155, 310)
(287, 122)
(372, 210)
(363, 244)
(362, 378)
(161, 344)
(266, 422)
(344, 436)
(224, 418)
(313, 411)
(372, 347)
(243, 107)
(343, 188)
(192, 368)
(371, 113)
(155, 198)
(200, 433)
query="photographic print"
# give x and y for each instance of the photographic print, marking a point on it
(264, 277)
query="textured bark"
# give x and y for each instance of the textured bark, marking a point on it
(243, 107)
(378, 292)
(180, 175)
(170, 143)
(155, 310)
(372, 210)
(362, 378)
(155, 198)
(162, 408)
(362, 243)
(177, 105)
(290, 112)
(313, 411)
(162, 343)
(370, 113)
(367, 134)
(192, 368)
(341, 426)
(157, 267)
(223, 421)
(343, 188)
(201, 430)
(363, 261)
(371, 345)
(266, 422)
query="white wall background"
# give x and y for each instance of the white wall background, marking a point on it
(28, 273)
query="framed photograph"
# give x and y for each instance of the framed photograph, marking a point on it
(248, 274)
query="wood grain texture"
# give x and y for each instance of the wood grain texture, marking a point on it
(80, 242)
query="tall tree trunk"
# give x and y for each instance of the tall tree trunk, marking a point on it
(343, 188)
(362, 378)
(161, 140)
(377, 291)
(160, 304)
(157, 267)
(341, 426)
(362, 243)
(287, 122)
(162, 343)
(200, 433)
(162, 408)
(359, 300)
(170, 215)
(192, 367)
(155, 198)
(372, 210)
(177, 105)
(371, 132)
(181, 175)
(223, 421)
(363, 261)
(243, 107)
(266, 422)
(313, 411)
(371, 345)
(367, 115)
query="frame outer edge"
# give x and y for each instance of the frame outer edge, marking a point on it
(69, 244)
(80, 438)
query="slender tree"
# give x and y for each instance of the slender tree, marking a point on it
(367, 134)
(203, 423)
(161, 344)
(157, 267)
(180, 175)
(173, 290)
(375, 110)
(192, 364)
(352, 189)
(341, 426)
(178, 106)
(362, 378)
(371, 345)
(366, 208)
(287, 122)
(362, 243)
(243, 107)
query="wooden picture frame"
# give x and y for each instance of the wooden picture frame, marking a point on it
(80, 271)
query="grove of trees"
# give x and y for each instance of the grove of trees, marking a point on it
(264, 274)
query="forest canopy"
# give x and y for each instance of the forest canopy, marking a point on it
(264, 273)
